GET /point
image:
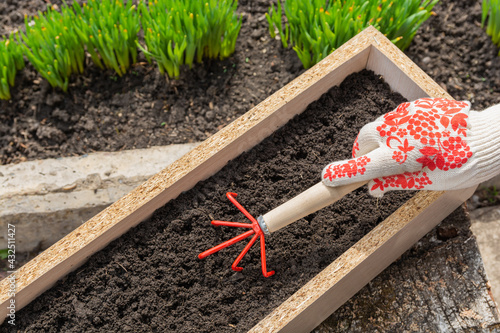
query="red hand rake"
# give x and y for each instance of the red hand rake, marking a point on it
(256, 231)
(309, 201)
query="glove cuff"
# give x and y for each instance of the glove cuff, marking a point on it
(484, 141)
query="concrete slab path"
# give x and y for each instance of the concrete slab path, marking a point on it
(46, 199)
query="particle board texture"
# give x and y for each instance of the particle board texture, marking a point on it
(340, 280)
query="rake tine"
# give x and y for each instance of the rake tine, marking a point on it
(234, 266)
(263, 257)
(225, 244)
(232, 224)
(231, 196)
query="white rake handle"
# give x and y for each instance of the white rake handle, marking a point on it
(307, 202)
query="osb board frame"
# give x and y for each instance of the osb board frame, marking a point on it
(339, 281)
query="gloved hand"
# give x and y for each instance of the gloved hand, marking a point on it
(430, 144)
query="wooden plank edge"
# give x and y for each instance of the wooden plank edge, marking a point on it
(343, 278)
(403, 71)
(72, 251)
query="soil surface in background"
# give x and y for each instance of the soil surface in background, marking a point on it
(453, 49)
(151, 280)
(103, 112)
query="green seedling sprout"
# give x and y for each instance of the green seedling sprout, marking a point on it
(315, 28)
(11, 61)
(52, 46)
(4, 254)
(109, 29)
(492, 194)
(491, 13)
(178, 32)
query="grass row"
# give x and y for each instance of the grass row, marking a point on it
(11, 60)
(180, 32)
(316, 28)
(176, 33)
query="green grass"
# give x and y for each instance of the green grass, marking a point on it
(179, 32)
(491, 17)
(176, 33)
(11, 61)
(53, 47)
(109, 30)
(315, 28)
(4, 254)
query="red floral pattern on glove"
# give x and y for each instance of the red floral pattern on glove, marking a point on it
(407, 145)
(355, 147)
(435, 123)
(349, 169)
(408, 180)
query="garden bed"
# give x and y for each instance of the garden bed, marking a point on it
(341, 279)
(150, 279)
(103, 112)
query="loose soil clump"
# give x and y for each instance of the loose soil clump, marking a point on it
(151, 280)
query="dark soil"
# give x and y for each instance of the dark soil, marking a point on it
(104, 112)
(151, 280)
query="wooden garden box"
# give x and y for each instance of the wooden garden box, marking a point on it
(327, 291)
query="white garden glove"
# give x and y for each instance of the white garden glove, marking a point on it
(429, 144)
